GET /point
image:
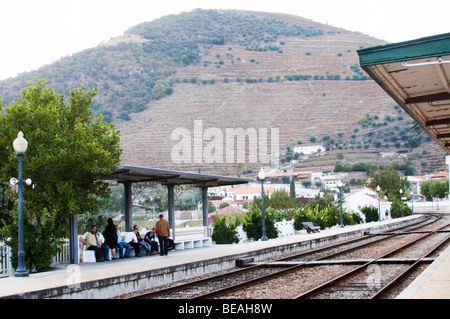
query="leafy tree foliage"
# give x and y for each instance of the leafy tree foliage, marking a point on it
(434, 189)
(253, 223)
(389, 181)
(69, 151)
(371, 213)
(224, 232)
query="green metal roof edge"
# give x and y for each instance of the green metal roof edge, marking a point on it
(422, 48)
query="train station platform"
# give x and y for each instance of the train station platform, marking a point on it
(115, 278)
(433, 282)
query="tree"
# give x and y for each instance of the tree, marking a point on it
(225, 233)
(389, 181)
(292, 187)
(253, 223)
(434, 189)
(159, 90)
(280, 200)
(371, 213)
(69, 150)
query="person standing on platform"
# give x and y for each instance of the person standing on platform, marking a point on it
(162, 230)
(110, 234)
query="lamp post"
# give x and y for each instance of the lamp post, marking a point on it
(379, 204)
(339, 184)
(20, 146)
(401, 201)
(262, 176)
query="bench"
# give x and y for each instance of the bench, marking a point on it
(310, 227)
(86, 256)
(191, 237)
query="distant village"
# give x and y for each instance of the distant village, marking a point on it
(318, 179)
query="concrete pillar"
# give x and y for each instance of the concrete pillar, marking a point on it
(171, 209)
(73, 240)
(128, 206)
(205, 205)
(447, 161)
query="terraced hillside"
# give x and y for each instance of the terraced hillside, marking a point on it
(234, 69)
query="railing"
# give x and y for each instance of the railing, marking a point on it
(6, 270)
(63, 255)
(5, 260)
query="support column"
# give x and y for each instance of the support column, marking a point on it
(128, 206)
(74, 256)
(447, 161)
(171, 209)
(205, 207)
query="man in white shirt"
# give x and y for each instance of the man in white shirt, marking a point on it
(131, 239)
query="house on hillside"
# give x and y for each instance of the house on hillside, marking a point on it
(441, 175)
(231, 211)
(241, 193)
(359, 198)
(308, 149)
(230, 201)
(416, 181)
(330, 183)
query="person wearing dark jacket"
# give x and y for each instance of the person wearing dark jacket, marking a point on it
(110, 235)
(150, 238)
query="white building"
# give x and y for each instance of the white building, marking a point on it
(241, 193)
(308, 149)
(359, 198)
(331, 183)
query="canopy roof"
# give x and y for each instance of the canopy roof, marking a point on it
(137, 174)
(416, 75)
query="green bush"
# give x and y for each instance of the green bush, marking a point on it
(225, 233)
(396, 211)
(41, 240)
(325, 218)
(371, 213)
(252, 224)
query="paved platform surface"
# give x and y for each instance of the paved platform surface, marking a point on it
(436, 284)
(433, 282)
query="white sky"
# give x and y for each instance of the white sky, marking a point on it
(38, 32)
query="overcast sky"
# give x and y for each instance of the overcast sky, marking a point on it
(37, 32)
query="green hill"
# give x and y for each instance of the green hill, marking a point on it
(235, 69)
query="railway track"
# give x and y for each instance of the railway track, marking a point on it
(370, 280)
(304, 270)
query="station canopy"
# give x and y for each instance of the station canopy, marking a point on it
(137, 174)
(416, 75)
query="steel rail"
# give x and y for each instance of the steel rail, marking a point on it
(405, 273)
(184, 286)
(292, 269)
(319, 288)
(180, 287)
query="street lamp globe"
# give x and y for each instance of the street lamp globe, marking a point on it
(339, 184)
(20, 144)
(378, 188)
(262, 174)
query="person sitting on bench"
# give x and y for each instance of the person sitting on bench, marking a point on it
(93, 243)
(132, 240)
(150, 238)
